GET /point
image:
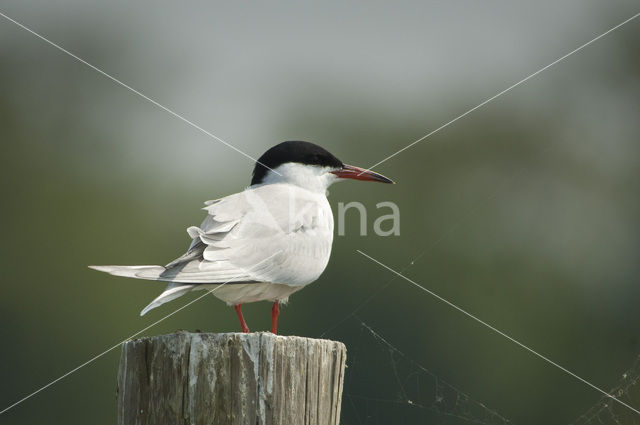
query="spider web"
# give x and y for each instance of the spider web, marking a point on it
(607, 411)
(401, 390)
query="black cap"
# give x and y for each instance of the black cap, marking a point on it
(293, 151)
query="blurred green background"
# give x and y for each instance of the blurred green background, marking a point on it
(526, 212)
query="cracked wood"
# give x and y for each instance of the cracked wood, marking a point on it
(232, 378)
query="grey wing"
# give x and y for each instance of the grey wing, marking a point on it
(253, 237)
(192, 267)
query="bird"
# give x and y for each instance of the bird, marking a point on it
(264, 243)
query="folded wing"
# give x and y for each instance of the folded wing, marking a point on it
(272, 233)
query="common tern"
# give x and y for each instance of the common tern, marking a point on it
(264, 243)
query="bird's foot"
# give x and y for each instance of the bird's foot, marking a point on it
(243, 324)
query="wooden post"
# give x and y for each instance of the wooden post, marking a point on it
(232, 378)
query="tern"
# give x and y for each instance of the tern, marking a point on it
(264, 243)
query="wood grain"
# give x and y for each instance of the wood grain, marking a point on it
(232, 378)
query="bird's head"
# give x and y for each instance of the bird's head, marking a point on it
(307, 165)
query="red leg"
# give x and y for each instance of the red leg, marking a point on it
(243, 324)
(275, 312)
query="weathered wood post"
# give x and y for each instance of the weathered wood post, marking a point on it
(232, 378)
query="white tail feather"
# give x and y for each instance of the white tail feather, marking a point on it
(138, 272)
(173, 291)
